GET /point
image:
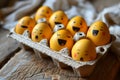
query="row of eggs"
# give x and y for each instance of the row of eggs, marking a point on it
(83, 50)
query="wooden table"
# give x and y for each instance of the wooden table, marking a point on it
(19, 64)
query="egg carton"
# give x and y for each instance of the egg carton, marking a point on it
(61, 58)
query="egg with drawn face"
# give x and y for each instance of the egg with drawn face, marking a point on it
(58, 17)
(43, 12)
(25, 23)
(99, 33)
(77, 24)
(83, 50)
(41, 31)
(61, 39)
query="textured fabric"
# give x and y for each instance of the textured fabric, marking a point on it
(19, 9)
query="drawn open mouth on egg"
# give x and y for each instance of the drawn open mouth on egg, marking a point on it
(24, 26)
(57, 22)
(76, 29)
(95, 32)
(61, 42)
(81, 59)
(36, 37)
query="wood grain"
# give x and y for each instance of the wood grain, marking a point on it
(25, 66)
(107, 68)
(8, 47)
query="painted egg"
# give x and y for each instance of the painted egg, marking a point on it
(58, 17)
(41, 31)
(99, 33)
(25, 23)
(84, 50)
(43, 12)
(61, 39)
(77, 24)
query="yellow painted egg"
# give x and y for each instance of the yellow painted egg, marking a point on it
(43, 12)
(25, 23)
(84, 50)
(61, 39)
(41, 31)
(77, 24)
(99, 33)
(58, 17)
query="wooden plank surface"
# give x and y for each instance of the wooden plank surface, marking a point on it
(7, 47)
(107, 68)
(25, 66)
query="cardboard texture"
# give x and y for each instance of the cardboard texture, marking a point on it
(60, 59)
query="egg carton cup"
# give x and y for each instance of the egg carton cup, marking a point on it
(61, 58)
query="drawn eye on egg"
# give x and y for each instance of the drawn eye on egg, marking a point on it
(55, 17)
(47, 12)
(58, 34)
(80, 23)
(68, 36)
(62, 18)
(40, 33)
(74, 22)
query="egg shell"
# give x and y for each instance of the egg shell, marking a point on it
(58, 17)
(25, 23)
(84, 50)
(43, 12)
(77, 24)
(99, 33)
(41, 31)
(61, 39)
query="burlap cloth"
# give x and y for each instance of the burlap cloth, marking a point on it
(110, 15)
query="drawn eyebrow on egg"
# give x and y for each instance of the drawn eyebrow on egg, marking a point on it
(55, 17)
(101, 29)
(47, 11)
(41, 30)
(86, 54)
(58, 34)
(68, 36)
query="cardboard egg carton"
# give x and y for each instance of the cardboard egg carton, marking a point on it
(61, 58)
